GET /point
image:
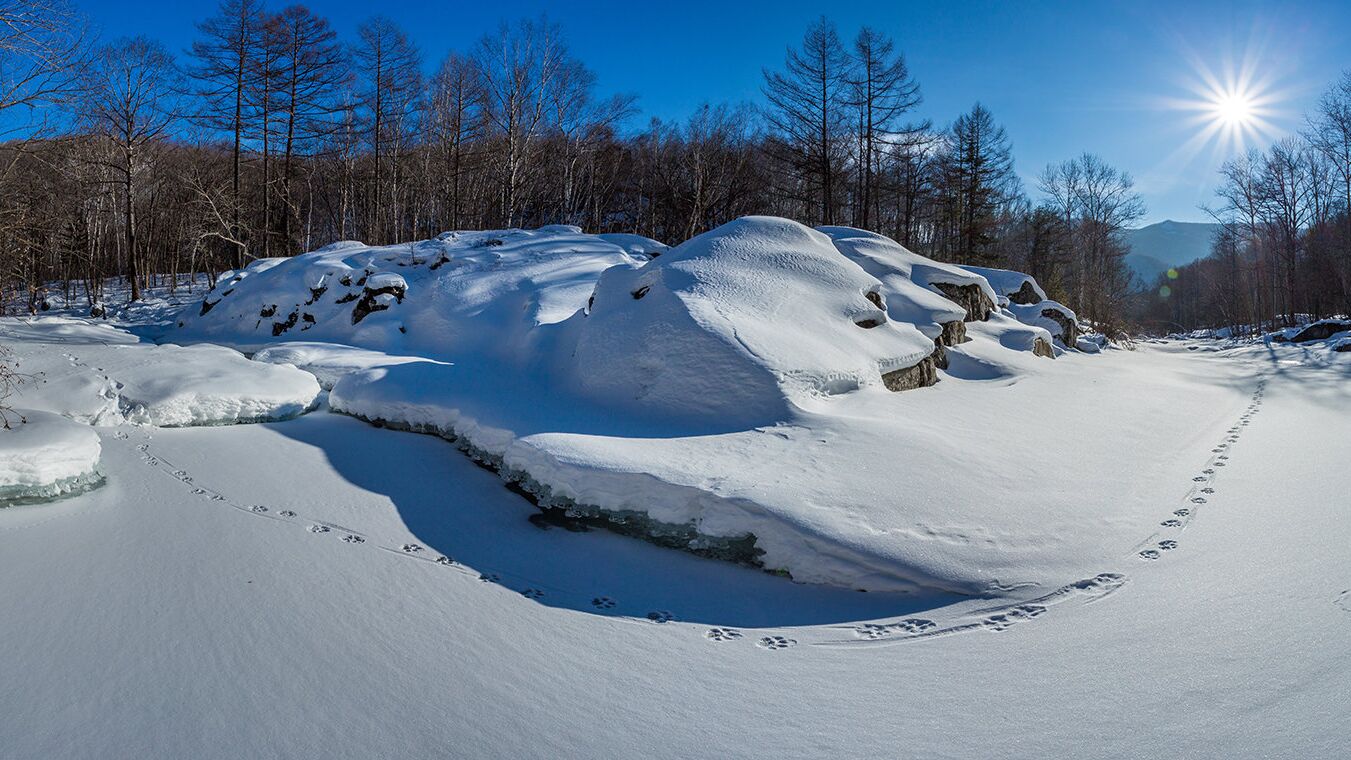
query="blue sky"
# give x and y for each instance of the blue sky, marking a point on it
(1062, 77)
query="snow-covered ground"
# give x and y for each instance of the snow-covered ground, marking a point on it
(1128, 554)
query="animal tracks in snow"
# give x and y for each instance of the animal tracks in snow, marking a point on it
(1203, 487)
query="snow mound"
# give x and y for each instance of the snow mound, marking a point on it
(735, 321)
(105, 376)
(462, 292)
(45, 457)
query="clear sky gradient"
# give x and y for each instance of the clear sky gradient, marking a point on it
(1062, 77)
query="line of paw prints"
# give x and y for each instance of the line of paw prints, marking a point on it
(1205, 480)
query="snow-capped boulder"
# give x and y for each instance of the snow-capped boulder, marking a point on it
(1320, 330)
(881, 257)
(1011, 286)
(736, 320)
(461, 292)
(45, 455)
(1057, 318)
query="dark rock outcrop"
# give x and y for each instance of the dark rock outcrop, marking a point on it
(1042, 347)
(954, 334)
(970, 297)
(1026, 295)
(1069, 329)
(369, 302)
(921, 375)
(1321, 330)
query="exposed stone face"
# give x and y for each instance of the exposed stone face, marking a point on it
(1026, 295)
(1321, 330)
(1069, 330)
(954, 334)
(369, 304)
(1042, 347)
(1345, 347)
(921, 375)
(970, 297)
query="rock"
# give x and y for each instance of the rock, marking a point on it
(921, 375)
(1025, 295)
(970, 297)
(954, 334)
(1321, 330)
(1069, 329)
(1042, 347)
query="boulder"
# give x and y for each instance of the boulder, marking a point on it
(1321, 330)
(972, 298)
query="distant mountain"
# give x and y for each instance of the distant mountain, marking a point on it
(1158, 247)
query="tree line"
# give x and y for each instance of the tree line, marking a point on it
(1283, 252)
(272, 137)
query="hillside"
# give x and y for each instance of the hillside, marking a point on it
(1157, 247)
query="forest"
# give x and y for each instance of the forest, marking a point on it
(272, 136)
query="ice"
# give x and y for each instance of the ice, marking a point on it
(45, 455)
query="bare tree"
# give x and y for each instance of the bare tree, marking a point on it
(222, 69)
(132, 101)
(390, 68)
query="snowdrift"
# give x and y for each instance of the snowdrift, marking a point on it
(46, 456)
(108, 377)
(734, 395)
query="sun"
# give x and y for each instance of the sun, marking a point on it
(1234, 109)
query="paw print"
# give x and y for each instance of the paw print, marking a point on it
(444, 560)
(1171, 523)
(603, 603)
(1182, 512)
(532, 593)
(353, 539)
(258, 508)
(319, 528)
(660, 616)
(722, 634)
(489, 577)
(1149, 554)
(287, 513)
(410, 548)
(775, 642)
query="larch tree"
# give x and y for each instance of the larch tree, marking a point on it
(806, 110)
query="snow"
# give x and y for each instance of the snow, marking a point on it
(1006, 282)
(462, 292)
(43, 455)
(164, 615)
(329, 362)
(653, 395)
(99, 375)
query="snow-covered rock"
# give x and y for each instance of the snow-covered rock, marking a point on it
(461, 292)
(1012, 287)
(733, 322)
(46, 455)
(880, 255)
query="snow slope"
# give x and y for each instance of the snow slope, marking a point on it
(275, 590)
